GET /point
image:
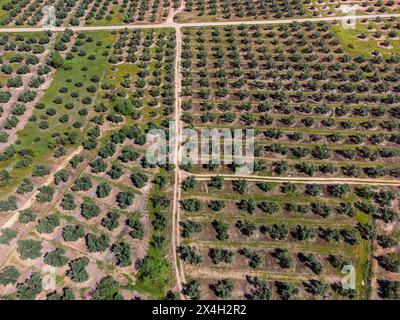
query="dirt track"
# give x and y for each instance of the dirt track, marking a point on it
(173, 24)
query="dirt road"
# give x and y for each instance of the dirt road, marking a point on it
(172, 24)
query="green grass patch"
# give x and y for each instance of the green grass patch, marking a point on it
(37, 140)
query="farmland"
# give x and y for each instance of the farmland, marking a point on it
(272, 231)
(104, 199)
(306, 107)
(93, 208)
(85, 12)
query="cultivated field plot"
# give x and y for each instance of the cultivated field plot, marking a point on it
(23, 77)
(31, 12)
(386, 262)
(260, 240)
(323, 103)
(77, 195)
(59, 119)
(224, 10)
(319, 106)
(119, 12)
(371, 34)
(84, 12)
(335, 7)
